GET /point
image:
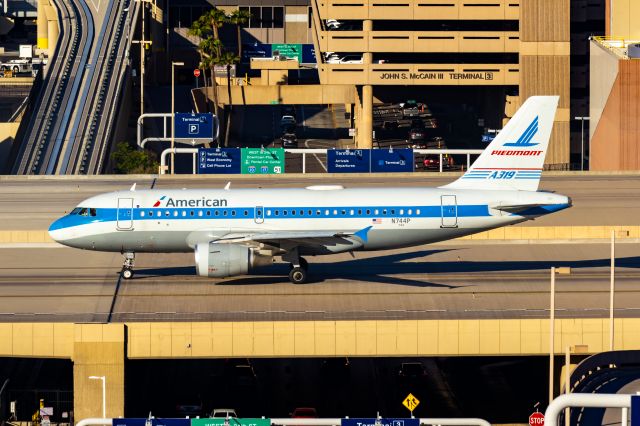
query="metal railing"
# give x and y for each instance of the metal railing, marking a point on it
(439, 152)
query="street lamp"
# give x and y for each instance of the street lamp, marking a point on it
(582, 120)
(612, 289)
(104, 393)
(552, 319)
(173, 113)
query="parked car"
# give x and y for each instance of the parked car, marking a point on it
(347, 59)
(432, 162)
(289, 140)
(412, 108)
(189, 405)
(304, 413)
(286, 120)
(416, 137)
(288, 124)
(223, 413)
(412, 369)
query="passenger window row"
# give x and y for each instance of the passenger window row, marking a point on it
(341, 212)
(280, 212)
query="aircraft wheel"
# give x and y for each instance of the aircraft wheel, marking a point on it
(298, 275)
(126, 273)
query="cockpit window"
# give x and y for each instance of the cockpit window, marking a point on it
(75, 211)
(84, 212)
(92, 212)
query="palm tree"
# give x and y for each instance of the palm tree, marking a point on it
(211, 48)
(238, 18)
(228, 59)
(201, 30)
(217, 18)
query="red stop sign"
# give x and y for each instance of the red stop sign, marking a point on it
(196, 72)
(536, 419)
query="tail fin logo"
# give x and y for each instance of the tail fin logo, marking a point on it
(157, 204)
(525, 139)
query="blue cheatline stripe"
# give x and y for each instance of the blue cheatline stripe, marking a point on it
(270, 213)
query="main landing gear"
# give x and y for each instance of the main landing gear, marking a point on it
(127, 267)
(299, 267)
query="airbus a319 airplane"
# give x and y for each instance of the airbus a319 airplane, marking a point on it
(233, 231)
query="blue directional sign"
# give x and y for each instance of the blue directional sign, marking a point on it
(348, 160)
(198, 127)
(219, 160)
(392, 160)
(308, 54)
(635, 410)
(171, 422)
(132, 422)
(381, 422)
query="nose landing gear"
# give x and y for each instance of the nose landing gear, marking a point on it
(127, 267)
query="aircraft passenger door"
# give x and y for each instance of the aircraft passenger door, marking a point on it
(259, 215)
(449, 211)
(124, 215)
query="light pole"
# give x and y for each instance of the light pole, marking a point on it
(104, 393)
(173, 112)
(143, 44)
(612, 287)
(552, 319)
(582, 120)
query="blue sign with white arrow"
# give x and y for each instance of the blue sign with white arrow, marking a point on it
(392, 160)
(219, 160)
(198, 127)
(348, 160)
(380, 422)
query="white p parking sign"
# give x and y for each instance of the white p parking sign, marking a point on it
(194, 129)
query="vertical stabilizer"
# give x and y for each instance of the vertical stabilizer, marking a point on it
(514, 159)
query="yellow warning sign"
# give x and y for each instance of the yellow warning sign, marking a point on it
(411, 402)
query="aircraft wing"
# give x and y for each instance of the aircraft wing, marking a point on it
(295, 238)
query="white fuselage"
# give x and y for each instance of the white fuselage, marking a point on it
(177, 220)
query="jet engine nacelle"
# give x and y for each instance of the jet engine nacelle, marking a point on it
(226, 260)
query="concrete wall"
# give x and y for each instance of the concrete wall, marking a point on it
(98, 350)
(615, 141)
(285, 94)
(8, 133)
(626, 19)
(373, 338)
(544, 66)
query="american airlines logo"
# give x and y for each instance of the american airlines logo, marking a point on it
(525, 139)
(200, 202)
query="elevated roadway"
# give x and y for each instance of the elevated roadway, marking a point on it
(71, 120)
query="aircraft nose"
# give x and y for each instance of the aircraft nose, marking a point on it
(57, 230)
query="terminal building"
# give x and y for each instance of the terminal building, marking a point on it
(479, 59)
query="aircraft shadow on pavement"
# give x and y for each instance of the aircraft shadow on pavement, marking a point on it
(376, 269)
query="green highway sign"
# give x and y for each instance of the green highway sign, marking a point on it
(293, 51)
(262, 161)
(232, 422)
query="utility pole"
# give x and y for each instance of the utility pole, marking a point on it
(143, 42)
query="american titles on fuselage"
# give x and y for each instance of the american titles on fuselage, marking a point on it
(202, 202)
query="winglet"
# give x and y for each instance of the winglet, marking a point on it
(362, 234)
(227, 186)
(133, 187)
